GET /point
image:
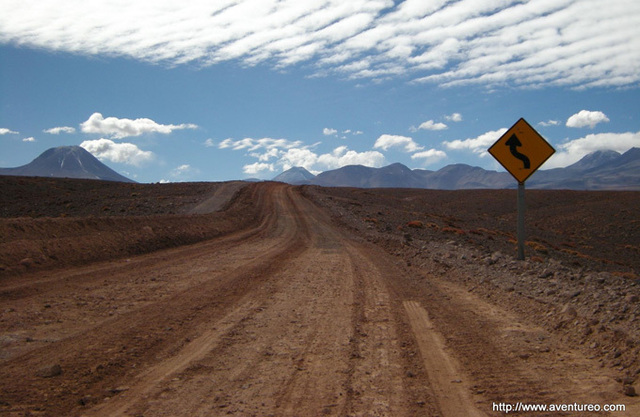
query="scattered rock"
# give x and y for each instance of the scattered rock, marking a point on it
(27, 262)
(119, 390)
(629, 391)
(569, 310)
(628, 380)
(416, 224)
(87, 400)
(49, 371)
(495, 257)
(546, 273)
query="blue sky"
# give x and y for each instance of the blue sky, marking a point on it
(214, 91)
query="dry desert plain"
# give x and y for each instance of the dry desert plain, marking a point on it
(265, 299)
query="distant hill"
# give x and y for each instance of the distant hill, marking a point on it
(296, 176)
(66, 162)
(601, 170)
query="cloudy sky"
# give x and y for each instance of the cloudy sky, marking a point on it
(231, 89)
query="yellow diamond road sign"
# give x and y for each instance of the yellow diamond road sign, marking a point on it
(521, 150)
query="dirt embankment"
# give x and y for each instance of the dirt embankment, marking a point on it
(49, 223)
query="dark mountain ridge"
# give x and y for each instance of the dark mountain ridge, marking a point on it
(600, 170)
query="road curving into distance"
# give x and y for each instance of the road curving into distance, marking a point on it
(292, 316)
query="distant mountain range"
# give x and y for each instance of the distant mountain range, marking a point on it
(601, 170)
(66, 162)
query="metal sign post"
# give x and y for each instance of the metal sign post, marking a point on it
(520, 229)
(521, 151)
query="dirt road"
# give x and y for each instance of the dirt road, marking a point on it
(293, 317)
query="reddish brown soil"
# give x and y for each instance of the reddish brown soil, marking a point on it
(271, 300)
(59, 197)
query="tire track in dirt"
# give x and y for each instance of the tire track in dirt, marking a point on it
(446, 381)
(379, 372)
(153, 376)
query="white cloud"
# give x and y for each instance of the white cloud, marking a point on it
(125, 153)
(526, 44)
(209, 143)
(431, 125)
(298, 157)
(257, 168)
(339, 157)
(572, 151)
(342, 156)
(271, 152)
(183, 172)
(58, 130)
(5, 131)
(478, 144)
(454, 117)
(268, 155)
(282, 154)
(549, 123)
(182, 169)
(253, 145)
(29, 139)
(385, 142)
(329, 132)
(429, 156)
(586, 118)
(122, 128)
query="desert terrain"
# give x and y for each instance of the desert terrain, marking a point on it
(265, 299)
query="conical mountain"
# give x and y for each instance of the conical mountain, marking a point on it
(66, 162)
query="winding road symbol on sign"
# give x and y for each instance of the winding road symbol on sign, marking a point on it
(513, 143)
(521, 150)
